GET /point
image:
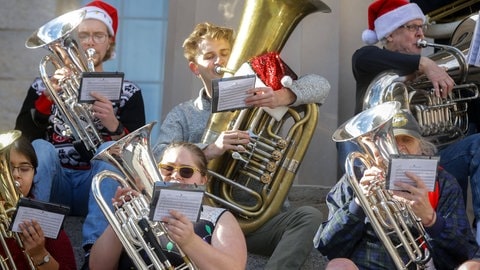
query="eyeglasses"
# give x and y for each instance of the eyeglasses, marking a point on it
(23, 169)
(98, 38)
(184, 171)
(414, 28)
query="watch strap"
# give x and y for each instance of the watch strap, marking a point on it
(46, 259)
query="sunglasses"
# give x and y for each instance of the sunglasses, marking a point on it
(184, 171)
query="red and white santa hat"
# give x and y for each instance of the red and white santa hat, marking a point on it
(384, 16)
(103, 12)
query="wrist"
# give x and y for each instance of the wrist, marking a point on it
(431, 221)
(41, 260)
(118, 131)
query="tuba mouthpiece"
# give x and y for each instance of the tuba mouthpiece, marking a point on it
(221, 70)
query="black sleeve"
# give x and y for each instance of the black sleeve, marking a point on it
(369, 61)
(30, 122)
(132, 115)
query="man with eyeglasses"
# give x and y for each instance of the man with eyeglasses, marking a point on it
(63, 175)
(398, 24)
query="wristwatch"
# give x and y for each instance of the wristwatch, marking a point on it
(46, 259)
(118, 131)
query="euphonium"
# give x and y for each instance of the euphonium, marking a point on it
(398, 228)
(267, 169)
(9, 196)
(442, 120)
(76, 119)
(132, 156)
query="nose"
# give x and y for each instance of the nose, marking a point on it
(16, 173)
(176, 175)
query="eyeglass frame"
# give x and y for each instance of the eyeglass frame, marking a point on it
(85, 37)
(20, 171)
(161, 166)
(413, 28)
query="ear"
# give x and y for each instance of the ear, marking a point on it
(194, 68)
(204, 180)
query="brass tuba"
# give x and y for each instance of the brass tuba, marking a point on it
(398, 228)
(443, 121)
(76, 119)
(132, 156)
(267, 169)
(9, 196)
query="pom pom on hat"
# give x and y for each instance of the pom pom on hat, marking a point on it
(385, 16)
(103, 12)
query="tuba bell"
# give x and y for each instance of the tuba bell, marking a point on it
(395, 224)
(9, 196)
(76, 119)
(267, 169)
(132, 156)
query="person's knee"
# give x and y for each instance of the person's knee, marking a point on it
(341, 264)
(310, 214)
(470, 265)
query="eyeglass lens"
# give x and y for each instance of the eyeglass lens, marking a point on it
(22, 169)
(96, 37)
(184, 171)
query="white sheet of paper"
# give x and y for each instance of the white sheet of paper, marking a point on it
(49, 221)
(232, 93)
(109, 87)
(187, 202)
(426, 169)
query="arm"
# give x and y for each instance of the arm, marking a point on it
(32, 119)
(310, 88)
(338, 236)
(228, 248)
(106, 251)
(129, 117)
(452, 238)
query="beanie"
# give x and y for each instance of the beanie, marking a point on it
(384, 16)
(403, 123)
(103, 12)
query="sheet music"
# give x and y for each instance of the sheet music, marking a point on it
(230, 93)
(473, 57)
(425, 168)
(187, 202)
(50, 222)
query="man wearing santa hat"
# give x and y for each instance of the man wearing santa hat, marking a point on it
(65, 176)
(398, 24)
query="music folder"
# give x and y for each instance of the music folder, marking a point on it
(109, 84)
(424, 167)
(184, 198)
(50, 216)
(230, 93)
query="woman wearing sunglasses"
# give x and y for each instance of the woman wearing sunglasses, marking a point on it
(45, 253)
(214, 242)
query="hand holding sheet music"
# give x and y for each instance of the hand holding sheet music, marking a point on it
(50, 216)
(187, 199)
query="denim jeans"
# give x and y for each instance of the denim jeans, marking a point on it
(462, 160)
(61, 185)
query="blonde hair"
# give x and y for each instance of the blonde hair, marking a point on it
(205, 31)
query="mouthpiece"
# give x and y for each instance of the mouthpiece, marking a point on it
(221, 70)
(422, 43)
